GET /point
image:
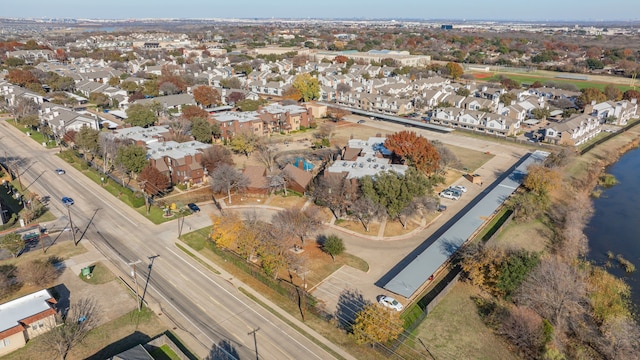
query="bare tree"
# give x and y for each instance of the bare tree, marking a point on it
(325, 130)
(225, 178)
(555, 290)
(40, 273)
(296, 223)
(108, 148)
(620, 339)
(24, 107)
(215, 156)
(366, 210)
(266, 153)
(82, 317)
(343, 88)
(523, 327)
(335, 192)
(447, 157)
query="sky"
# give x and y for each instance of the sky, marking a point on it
(538, 10)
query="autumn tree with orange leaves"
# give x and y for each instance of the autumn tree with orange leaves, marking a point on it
(191, 112)
(225, 230)
(415, 150)
(206, 96)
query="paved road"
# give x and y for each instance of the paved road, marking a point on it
(206, 306)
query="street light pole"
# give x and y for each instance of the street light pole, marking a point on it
(134, 273)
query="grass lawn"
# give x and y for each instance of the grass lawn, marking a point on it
(469, 159)
(454, 330)
(580, 84)
(394, 228)
(59, 251)
(34, 135)
(164, 352)
(530, 236)
(357, 226)
(100, 274)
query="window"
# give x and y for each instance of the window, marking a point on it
(4, 342)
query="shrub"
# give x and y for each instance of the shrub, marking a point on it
(136, 199)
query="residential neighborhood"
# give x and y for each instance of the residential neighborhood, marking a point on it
(349, 189)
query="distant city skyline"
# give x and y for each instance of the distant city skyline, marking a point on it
(541, 10)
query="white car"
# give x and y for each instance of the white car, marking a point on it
(448, 194)
(391, 303)
(459, 188)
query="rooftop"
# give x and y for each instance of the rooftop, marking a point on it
(15, 310)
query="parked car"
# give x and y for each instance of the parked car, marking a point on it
(459, 188)
(361, 121)
(448, 194)
(391, 303)
(193, 207)
(442, 208)
(67, 201)
(60, 171)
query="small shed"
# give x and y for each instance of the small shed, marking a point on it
(474, 178)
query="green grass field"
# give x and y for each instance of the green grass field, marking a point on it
(580, 84)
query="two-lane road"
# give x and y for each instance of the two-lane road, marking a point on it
(205, 305)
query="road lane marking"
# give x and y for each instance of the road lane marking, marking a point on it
(243, 303)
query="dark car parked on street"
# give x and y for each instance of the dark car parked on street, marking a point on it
(193, 207)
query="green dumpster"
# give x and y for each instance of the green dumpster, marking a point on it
(86, 271)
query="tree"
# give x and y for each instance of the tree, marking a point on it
(366, 210)
(266, 153)
(21, 77)
(249, 105)
(8, 280)
(140, 115)
(291, 93)
(191, 112)
(454, 70)
(24, 107)
(63, 83)
(554, 289)
(296, 223)
(225, 230)
(206, 96)
(12, 243)
(447, 157)
(201, 130)
(376, 324)
(508, 98)
(225, 178)
(231, 83)
(542, 180)
(153, 181)
(612, 92)
(235, 96)
(40, 273)
(333, 245)
(343, 88)
(588, 95)
(133, 158)
(13, 62)
(334, 192)
(631, 94)
(81, 318)
(108, 148)
(101, 100)
(244, 142)
(393, 191)
(87, 140)
(308, 86)
(415, 149)
(214, 156)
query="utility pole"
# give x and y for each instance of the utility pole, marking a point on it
(255, 341)
(134, 273)
(73, 230)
